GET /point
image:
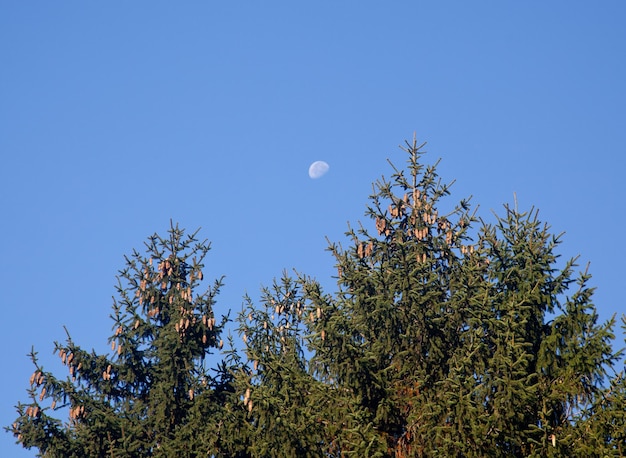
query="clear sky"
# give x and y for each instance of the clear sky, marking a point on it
(116, 117)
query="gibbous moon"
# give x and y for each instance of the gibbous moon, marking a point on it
(318, 169)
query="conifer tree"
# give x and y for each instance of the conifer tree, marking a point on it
(150, 396)
(283, 400)
(449, 336)
(600, 428)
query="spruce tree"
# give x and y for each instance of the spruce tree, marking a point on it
(599, 429)
(152, 393)
(283, 400)
(449, 336)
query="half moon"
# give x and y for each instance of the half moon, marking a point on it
(318, 169)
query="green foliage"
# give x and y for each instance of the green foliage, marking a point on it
(149, 395)
(280, 394)
(447, 336)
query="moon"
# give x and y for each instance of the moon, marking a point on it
(318, 169)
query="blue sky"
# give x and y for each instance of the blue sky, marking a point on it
(116, 118)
